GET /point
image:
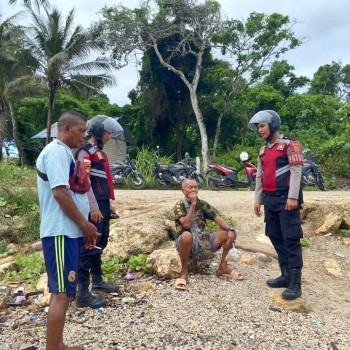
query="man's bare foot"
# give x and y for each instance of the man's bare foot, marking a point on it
(224, 270)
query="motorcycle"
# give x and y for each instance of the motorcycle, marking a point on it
(311, 174)
(166, 175)
(126, 170)
(220, 176)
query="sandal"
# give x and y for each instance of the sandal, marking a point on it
(233, 275)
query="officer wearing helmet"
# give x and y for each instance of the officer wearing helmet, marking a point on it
(100, 130)
(278, 189)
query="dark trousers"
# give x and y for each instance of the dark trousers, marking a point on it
(90, 260)
(283, 227)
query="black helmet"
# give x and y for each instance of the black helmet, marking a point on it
(101, 123)
(266, 117)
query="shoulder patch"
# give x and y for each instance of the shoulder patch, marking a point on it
(295, 153)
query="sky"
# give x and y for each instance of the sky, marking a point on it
(324, 22)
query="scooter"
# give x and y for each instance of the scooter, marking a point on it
(311, 174)
(126, 170)
(220, 176)
(166, 175)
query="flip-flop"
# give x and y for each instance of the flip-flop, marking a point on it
(233, 275)
(181, 283)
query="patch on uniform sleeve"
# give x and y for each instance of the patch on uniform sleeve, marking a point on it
(295, 153)
(87, 164)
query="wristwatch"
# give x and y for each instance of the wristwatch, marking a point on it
(231, 229)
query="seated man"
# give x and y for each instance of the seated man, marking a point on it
(190, 218)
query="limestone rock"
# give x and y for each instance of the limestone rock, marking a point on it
(5, 266)
(264, 258)
(247, 259)
(299, 305)
(12, 246)
(35, 246)
(42, 287)
(346, 241)
(331, 224)
(333, 268)
(137, 235)
(166, 263)
(263, 239)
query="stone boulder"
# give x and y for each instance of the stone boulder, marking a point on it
(322, 218)
(43, 288)
(333, 268)
(135, 234)
(166, 262)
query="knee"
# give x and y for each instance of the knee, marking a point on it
(186, 238)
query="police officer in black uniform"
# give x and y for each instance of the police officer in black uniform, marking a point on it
(101, 128)
(278, 189)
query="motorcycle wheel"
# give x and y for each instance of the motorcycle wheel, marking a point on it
(252, 183)
(212, 172)
(213, 185)
(320, 183)
(159, 183)
(136, 181)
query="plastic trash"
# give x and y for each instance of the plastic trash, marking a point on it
(233, 255)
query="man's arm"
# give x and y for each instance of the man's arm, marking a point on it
(68, 206)
(224, 225)
(258, 190)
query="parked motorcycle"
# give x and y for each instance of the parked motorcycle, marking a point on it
(166, 175)
(311, 174)
(220, 176)
(126, 171)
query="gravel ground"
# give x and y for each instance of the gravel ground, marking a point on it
(213, 313)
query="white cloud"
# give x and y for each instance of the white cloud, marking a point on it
(325, 22)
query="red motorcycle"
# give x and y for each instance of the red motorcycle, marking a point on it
(220, 176)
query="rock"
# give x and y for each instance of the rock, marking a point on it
(346, 241)
(166, 263)
(264, 258)
(5, 266)
(331, 224)
(12, 246)
(247, 259)
(263, 239)
(299, 305)
(142, 287)
(35, 246)
(134, 236)
(333, 268)
(42, 287)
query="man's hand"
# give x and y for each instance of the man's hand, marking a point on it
(257, 209)
(96, 216)
(91, 234)
(192, 197)
(291, 204)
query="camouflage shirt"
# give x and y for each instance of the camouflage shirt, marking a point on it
(203, 212)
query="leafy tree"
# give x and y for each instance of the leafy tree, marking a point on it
(332, 79)
(61, 52)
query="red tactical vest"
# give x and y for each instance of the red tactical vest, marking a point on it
(275, 167)
(100, 173)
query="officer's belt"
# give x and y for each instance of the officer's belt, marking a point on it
(276, 193)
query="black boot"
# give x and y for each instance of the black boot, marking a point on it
(282, 281)
(99, 286)
(85, 299)
(294, 288)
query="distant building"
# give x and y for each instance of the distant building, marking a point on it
(116, 148)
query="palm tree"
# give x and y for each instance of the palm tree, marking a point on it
(16, 70)
(38, 3)
(62, 53)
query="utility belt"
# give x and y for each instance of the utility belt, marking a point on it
(276, 193)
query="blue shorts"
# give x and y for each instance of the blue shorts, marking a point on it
(61, 259)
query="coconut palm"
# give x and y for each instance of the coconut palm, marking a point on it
(63, 54)
(37, 3)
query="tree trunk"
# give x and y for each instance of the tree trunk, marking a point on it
(178, 142)
(202, 130)
(18, 144)
(53, 88)
(2, 126)
(217, 135)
